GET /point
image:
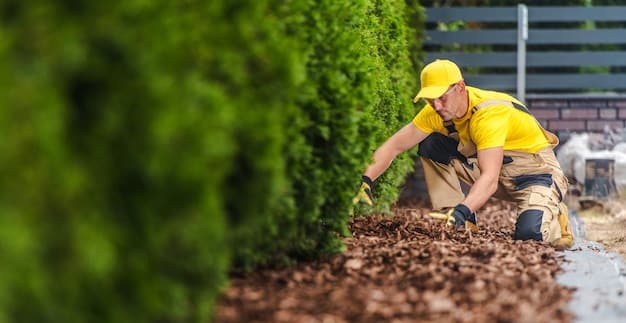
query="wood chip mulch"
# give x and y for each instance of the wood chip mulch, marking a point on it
(407, 267)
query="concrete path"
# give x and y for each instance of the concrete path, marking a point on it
(598, 276)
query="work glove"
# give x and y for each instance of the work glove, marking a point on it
(458, 216)
(365, 192)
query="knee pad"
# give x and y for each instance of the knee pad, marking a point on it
(528, 225)
(439, 148)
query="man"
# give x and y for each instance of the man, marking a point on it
(488, 140)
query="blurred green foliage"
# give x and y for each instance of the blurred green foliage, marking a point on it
(151, 146)
(111, 204)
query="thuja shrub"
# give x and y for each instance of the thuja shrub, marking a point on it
(359, 78)
(359, 81)
(122, 126)
(150, 146)
(397, 37)
(260, 63)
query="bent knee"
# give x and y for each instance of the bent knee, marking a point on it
(438, 147)
(528, 225)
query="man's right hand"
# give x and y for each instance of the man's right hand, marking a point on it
(458, 216)
(365, 192)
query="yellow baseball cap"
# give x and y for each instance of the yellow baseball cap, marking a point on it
(436, 78)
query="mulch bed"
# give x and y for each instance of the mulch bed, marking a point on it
(407, 267)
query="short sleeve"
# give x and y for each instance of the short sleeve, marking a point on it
(428, 121)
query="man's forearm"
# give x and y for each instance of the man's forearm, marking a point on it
(490, 163)
(480, 193)
(383, 157)
(401, 141)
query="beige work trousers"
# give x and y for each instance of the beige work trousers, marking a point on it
(533, 181)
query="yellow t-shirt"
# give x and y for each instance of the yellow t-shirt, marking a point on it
(498, 125)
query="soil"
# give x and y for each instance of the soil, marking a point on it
(611, 233)
(407, 267)
(606, 223)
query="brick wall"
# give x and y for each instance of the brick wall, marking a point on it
(579, 114)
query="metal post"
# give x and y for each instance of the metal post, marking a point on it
(522, 36)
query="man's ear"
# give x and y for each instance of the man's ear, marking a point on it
(462, 84)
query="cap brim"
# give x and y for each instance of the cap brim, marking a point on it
(430, 92)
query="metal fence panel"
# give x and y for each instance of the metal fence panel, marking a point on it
(471, 37)
(484, 14)
(562, 14)
(581, 81)
(490, 59)
(587, 58)
(560, 40)
(576, 36)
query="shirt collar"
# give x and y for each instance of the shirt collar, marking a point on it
(473, 99)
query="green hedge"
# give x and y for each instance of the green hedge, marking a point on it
(111, 205)
(360, 63)
(150, 146)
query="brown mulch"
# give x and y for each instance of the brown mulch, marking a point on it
(409, 268)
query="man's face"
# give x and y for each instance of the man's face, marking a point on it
(448, 105)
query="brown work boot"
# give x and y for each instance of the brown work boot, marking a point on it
(567, 238)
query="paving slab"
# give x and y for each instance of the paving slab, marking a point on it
(599, 277)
